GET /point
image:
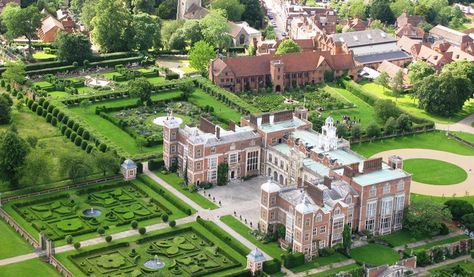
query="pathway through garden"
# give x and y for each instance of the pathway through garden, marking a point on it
(465, 162)
(423, 242)
(212, 215)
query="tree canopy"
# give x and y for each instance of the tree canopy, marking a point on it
(14, 72)
(200, 55)
(215, 29)
(419, 70)
(73, 47)
(252, 14)
(233, 8)
(5, 110)
(13, 152)
(288, 46)
(21, 22)
(147, 33)
(380, 9)
(112, 26)
(425, 218)
(142, 88)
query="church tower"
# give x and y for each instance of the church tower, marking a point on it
(184, 5)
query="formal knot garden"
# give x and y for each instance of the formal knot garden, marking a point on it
(105, 208)
(187, 250)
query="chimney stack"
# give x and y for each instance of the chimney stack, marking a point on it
(327, 181)
(372, 165)
(218, 132)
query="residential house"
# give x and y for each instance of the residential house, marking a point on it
(355, 25)
(405, 19)
(410, 31)
(456, 38)
(243, 34)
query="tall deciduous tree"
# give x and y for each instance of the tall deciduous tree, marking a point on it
(15, 72)
(147, 31)
(385, 108)
(288, 46)
(397, 84)
(107, 162)
(37, 168)
(215, 29)
(88, 12)
(347, 238)
(380, 9)
(75, 166)
(21, 22)
(5, 111)
(73, 47)
(112, 26)
(13, 151)
(383, 79)
(253, 14)
(168, 29)
(142, 88)
(399, 6)
(167, 9)
(234, 9)
(424, 218)
(200, 55)
(146, 6)
(417, 71)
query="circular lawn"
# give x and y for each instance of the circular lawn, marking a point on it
(434, 172)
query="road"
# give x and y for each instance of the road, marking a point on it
(277, 12)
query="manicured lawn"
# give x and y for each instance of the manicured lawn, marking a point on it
(375, 254)
(174, 180)
(273, 248)
(196, 246)
(29, 268)
(12, 243)
(320, 261)
(57, 218)
(440, 242)
(434, 172)
(448, 270)
(432, 140)
(362, 110)
(221, 110)
(407, 103)
(40, 55)
(156, 80)
(41, 84)
(333, 271)
(465, 136)
(439, 199)
(113, 133)
(400, 238)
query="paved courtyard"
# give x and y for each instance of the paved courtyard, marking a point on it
(242, 197)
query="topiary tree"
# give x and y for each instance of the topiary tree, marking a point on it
(69, 239)
(142, 230)
(108, 238)
(172, 223)
(134, 224)
(164, 217)
(373, 130)
(101, 231)
(222, 171)
(77, 245)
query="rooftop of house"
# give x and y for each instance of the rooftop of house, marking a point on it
(449, 34)
(363, 38)
(274, 125)
(316, 167)
(410, 30)
(197, 136)
(384, 174)
(236, 27)
(390, 68)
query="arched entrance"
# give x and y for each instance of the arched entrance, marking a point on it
(269, 172)
(281, 180)
(278, 88)
(275, 176)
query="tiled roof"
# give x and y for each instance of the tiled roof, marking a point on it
(390, 68)
(49, 23)
(410, 31)
(450, 35)
(456, 54)
(379, 57)
(406, 43)
(196, 12)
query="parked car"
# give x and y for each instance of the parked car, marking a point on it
(284, 34)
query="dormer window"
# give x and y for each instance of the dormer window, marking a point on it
(337, 211)
(319, 218)
(349, 200)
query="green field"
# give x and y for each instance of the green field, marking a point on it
(400, 238)
(29, 268)
(410, 105)
(362, 110)
(221, 111)
(174, 180)
(431, 140)
(180, 248)
(465, 136)
(61, 214)
(375, 254)
(434, 172)
(12, 243)
(272, 248)
(439, 199)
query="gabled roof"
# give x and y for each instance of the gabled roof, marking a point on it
(456, 54)
(390, 68)
(406, 43)
(410, 31)
(430, 55)
(49, 23)
(196, 12)
(450, 35)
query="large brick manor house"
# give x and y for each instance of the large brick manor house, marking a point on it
(316, 183)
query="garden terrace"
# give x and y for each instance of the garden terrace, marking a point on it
(375, 254)
(433, 244)
(61, 214)
(461, 269)
(313, 97)
(186, 250)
